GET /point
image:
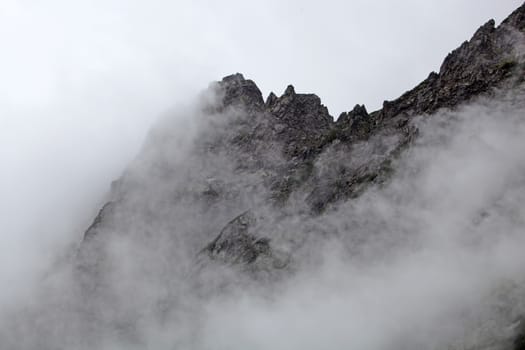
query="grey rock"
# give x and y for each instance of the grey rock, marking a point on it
(236, 244)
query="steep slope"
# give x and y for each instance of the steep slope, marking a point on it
(290, 151)
(250, 185)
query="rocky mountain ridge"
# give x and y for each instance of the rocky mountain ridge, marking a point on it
(300, 127)
(258, 173)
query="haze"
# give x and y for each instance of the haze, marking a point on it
(81, 83)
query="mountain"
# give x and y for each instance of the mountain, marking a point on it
(236, 196)
(272, 150)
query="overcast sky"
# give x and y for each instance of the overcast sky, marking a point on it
(81, 81)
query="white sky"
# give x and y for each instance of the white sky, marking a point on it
(81, 81)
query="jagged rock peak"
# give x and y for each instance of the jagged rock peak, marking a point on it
(290, 91)
(301, 110)
(433, 76)
(484, 62)
(270, 101)
(479, 44)
(359, 110)
(234, 78)
(346, 118)
(240, 92)
(488, 27)
(298, 109)
(478, 65)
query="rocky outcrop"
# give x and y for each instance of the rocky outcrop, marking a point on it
(239, 92)
(476, 67)
(235, 244)
(238, 244)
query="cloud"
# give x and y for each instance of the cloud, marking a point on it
(82, 84)
(432, 260)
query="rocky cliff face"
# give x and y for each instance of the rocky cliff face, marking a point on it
(254, 173)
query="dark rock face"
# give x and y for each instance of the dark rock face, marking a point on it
(357, 122)
(304, 119)
(235, 244)
(240, 92)
(474, 68)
